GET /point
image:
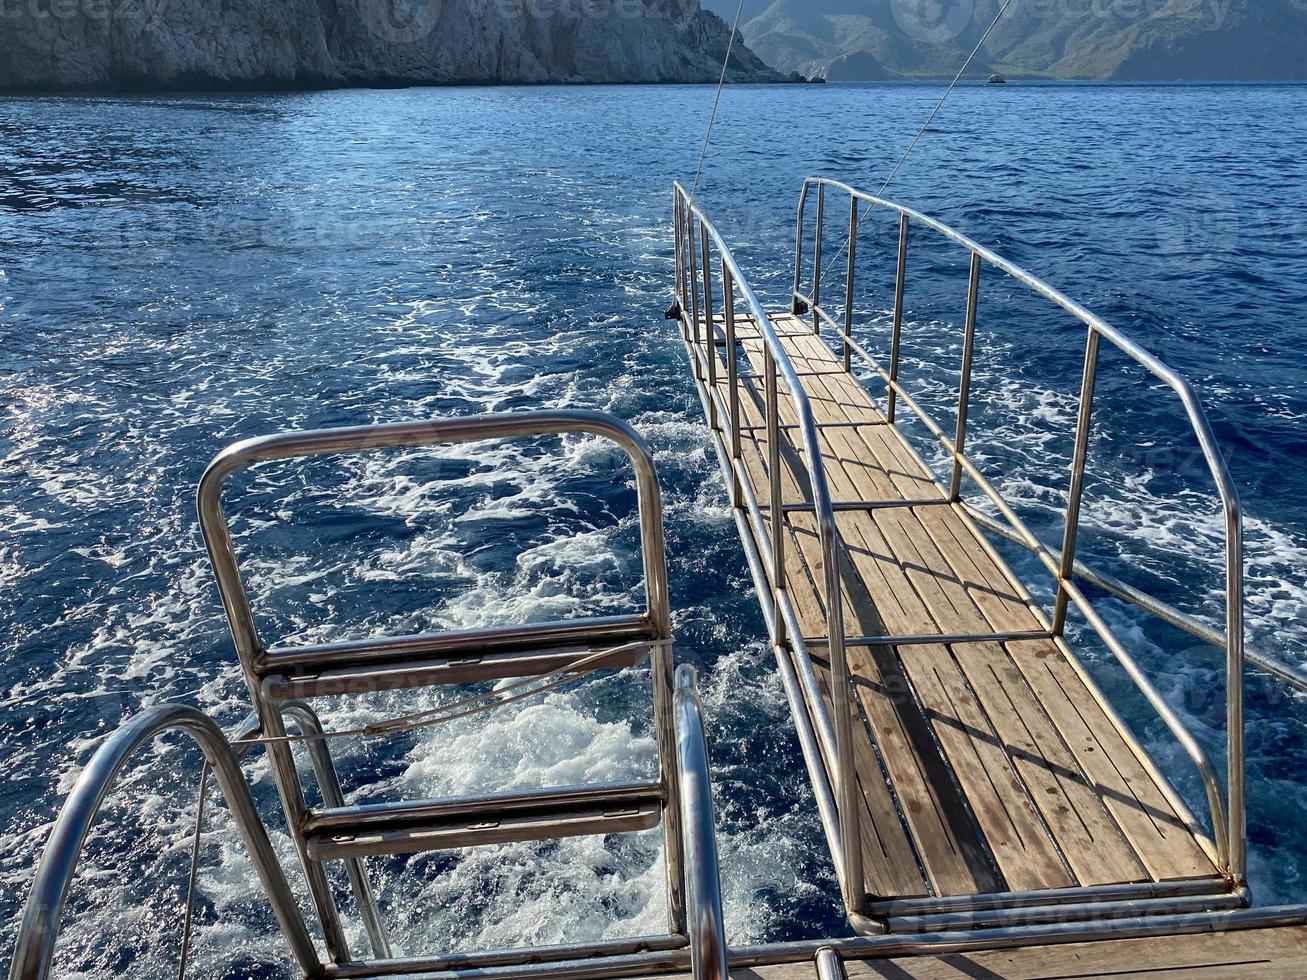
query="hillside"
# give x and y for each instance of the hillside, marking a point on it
(1127, 40)
(200, 44)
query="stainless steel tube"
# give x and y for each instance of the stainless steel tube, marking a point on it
(816, 258)
(710, 331)
(707, 929)
(39, 927)
(324, 770)
(1076, 493)
(896, 337)
(849, 280)
(964, 386)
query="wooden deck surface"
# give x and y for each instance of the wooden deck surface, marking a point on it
(984, 767)
(1261, 954)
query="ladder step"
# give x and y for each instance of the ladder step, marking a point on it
(471, 832)
(435, 825)
(464, 668)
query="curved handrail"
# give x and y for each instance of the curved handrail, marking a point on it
(706, 921)
(366, 438)
(39, 930)
(1220, 471)
(778, 360)
(1228, 820)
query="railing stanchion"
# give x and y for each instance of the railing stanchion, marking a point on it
(693, 289)
(848, 284)
(964, 386)
(680, 256)
(710, 331)
(774, 479)
(1076, 493)
(732, 382)
(1234, 692)
(896, 339)
(852, 885)
(816, 258)
(798, 250)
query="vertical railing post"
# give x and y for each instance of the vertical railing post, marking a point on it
(1076, 493)
(1234, 694)
(852, 885)
(798, 249)
(663, 667)
(774, 479)
(710, 332)
(896, 338)
(964, 387)
(816, 258)
(693, 290)
(680, 255)
(848, 284)
(732, 382)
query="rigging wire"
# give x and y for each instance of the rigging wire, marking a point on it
(197, 837)
(949, 91)
(717, 99)
(930, 119)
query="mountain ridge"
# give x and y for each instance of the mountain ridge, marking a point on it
(1101, 40)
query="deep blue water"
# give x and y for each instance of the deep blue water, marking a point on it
(177, 273)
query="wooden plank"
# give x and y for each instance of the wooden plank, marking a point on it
(955, 857)
(978, 754)
(1160, 838)
(1095, 766)
(1251, 954)
(1018, 840)
(1067, 802)
(1046, 783)
(891, 867)
(1265, 954)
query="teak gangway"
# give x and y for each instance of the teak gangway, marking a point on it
(969, 771)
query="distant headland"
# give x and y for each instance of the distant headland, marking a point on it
(159, 45)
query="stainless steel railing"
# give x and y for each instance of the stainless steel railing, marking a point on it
(1228, 809)
(696, 239)
(39, 928)
(706, 923)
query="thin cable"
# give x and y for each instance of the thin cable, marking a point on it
(934, 113)
(954, 84)
(195, 867)
(721, 83)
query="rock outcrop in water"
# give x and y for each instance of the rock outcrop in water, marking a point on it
(202, 44)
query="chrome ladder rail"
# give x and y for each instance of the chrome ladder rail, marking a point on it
(39, 927)
(38, 934)
(707, 927)
(278, 675)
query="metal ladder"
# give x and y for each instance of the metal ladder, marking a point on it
(278, 675)
(283, 680)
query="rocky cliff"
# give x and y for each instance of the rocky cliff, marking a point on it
(198, 44)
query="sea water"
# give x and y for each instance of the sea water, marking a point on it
(177, 273)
